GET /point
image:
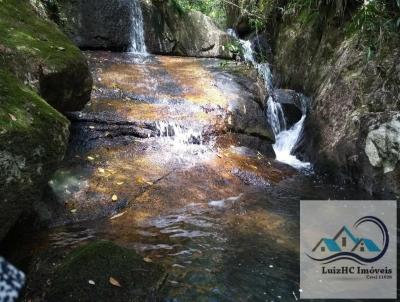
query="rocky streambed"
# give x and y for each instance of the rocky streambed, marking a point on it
(169, 189)
(171, 163)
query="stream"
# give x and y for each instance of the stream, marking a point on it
(153, 167)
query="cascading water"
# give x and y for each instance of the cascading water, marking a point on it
(285, 139)
(183, 142)
(137, 33)
(179, 134)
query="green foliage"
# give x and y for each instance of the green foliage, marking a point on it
(178, 6)
(257, 24)
(52, 9)
(312, 8)
(223, 64)
(212, 8)
(234, 47)
(378, 23)
(218, 10)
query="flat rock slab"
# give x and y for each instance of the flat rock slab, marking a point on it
(159, 133)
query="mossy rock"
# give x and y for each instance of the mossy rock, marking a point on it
(33, 140)
(38, 53)
(98, 261)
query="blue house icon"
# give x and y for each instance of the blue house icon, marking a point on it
(344, 240)
(327, 244)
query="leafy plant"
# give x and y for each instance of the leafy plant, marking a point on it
(234, 47)
(316, 6)
(378, 23)
(223, 64)
(212, 8)
(257, 24)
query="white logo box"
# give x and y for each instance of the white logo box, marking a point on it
(348, 249)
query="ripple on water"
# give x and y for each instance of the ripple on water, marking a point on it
(223, 221)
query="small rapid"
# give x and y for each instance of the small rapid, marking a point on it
(137, 44)
(179, 133)
(285, 139)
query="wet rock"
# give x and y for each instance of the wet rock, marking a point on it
(145, 150)
(291, 104)
(168, 30)
(292, 114)
(199, 90)
(250, 120)
(288, 96)
(94, 24)
(250, 178)
(97, 271)
(255, 143)
(47, 61)
(108, 125)
(245, 111)
(67, 89)
(261, 47)
(33, 140)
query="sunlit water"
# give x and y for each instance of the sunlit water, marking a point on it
(241, 248)
(286, 139)
(179, 203)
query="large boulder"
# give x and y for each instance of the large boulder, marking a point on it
(41, 56)
(97, 271)
(101, 24)
(170, 30)
(95, 24)
(33, 139)
(382, 145)
(40, 69)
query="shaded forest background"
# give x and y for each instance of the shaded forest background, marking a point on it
(377, 22)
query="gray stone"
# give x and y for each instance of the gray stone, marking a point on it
(96, 24)
(168, 31)
(383, 145)
(103, 24)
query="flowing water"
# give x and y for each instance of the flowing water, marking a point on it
(286, 139)
(153, 167)
(137, 33)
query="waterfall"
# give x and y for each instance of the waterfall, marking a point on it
(183, 142)
(276, 116)
(178, 133)
(285, 139)
(137, 33)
